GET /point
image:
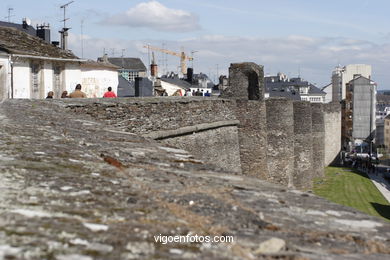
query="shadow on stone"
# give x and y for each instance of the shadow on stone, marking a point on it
(383, 210)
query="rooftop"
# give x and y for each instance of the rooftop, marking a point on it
(98, 64)
(178, 82)
(128, 63)
(14, 41)
(27, 29)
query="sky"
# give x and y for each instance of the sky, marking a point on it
(296, 37)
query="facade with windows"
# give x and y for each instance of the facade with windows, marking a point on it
(128, 68)
(359, 113)
(343, 75)
(386, 132)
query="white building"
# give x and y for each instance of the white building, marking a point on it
(174, 85)
(31, 67)
(342, 75)
(96, 77)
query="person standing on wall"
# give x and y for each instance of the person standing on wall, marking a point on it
(109, 93)
(77, 93)
(50, 94)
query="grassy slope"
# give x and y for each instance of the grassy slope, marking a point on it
(353, 189)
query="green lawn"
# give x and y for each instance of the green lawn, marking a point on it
(354, 189)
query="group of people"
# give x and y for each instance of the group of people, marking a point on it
(77, 93)
(197, 93)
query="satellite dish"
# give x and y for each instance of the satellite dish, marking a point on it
(28, 21)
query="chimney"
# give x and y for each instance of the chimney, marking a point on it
(64, 38)
(105, 58)
(153, 70)
(153, 67)
(25, 23)
(43, 32)
(190, 73)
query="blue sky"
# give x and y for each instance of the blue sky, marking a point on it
(306, 36)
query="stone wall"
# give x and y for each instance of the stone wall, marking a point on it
(146, 115)
(280, 140)
(74, 188)
(205, 127)
(219, 147)
(303, 149)
(332, 122)
(252, 135)
(318, 139)
(277, 140)
(246, 81)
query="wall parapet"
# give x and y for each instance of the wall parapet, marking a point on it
(158, 135)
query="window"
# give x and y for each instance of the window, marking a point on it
(129, 75)
(57, 80)
(35, 77)
(133, 75)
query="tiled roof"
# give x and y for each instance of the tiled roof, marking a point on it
(98, 64)
(128, 63)
(28, 29)
(314, 90)
(15, 41)
(178, 82)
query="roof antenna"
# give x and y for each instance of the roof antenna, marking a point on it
(64, 7)
(82, 38)
(64, 31)
(9, 14)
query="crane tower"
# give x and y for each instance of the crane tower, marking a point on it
(182, 55)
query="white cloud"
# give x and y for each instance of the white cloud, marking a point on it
(156, 16)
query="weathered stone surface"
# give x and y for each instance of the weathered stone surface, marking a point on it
(332, 122)
(318, 128)
(71, 186)
(246, 81)
(147, 116)
(303, 148)
(220, 147)
(252, 135)
(280, 140)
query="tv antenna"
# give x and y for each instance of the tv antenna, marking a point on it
(9, 14)
(64, 7)
(82, 38)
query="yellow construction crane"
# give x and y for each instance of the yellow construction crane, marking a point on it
(182, 55)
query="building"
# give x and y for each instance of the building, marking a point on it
(129, 68)
(342, 75)
(379, 132)
(294, 88)
(141, 87)
(358, 113)
(201, 81)
(386, 131)
(31, 67)
(96, 77)
(382, 110)
(173, 84)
